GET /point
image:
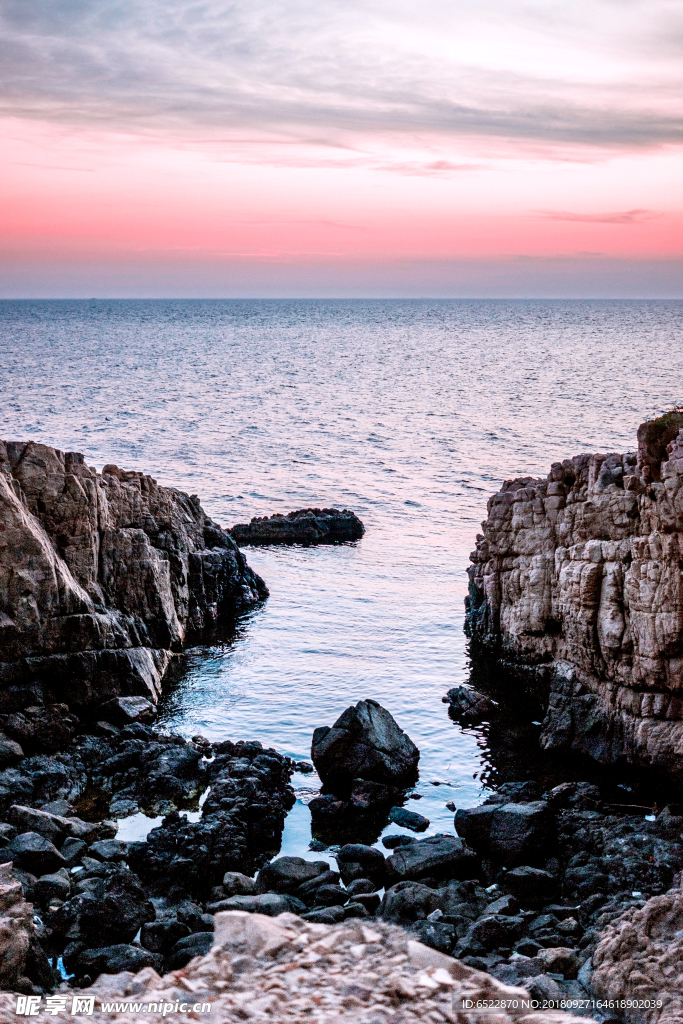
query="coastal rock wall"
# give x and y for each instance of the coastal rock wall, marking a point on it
(102, 575)
(576, 589)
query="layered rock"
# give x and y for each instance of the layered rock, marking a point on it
(307, 526)
(576, 588)
(102, 576)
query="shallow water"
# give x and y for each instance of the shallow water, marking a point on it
(409, 412)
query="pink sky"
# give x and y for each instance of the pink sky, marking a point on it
(161, 148)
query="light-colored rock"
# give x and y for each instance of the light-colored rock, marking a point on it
(576, 586)
(640, 957)
(102, 575)
(16, 931)
(287, 970)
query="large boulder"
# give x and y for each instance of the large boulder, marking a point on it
(409, 901)
(439, 856)
(34, 853)
(531, 886)
(114, 959)
(365, 742)
(285, 874)
(509, 833)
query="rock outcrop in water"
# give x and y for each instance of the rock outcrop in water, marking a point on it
(306, 527)
(101, 576)
(576, 591)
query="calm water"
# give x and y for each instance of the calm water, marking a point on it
(409, 412)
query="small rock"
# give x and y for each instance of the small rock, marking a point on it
(109, 850)
(53, 886)
(237, 884)
(114, 959)
(360, 886)
(187, 949)
(287, 873)
(467, 703)
(326, 915)
(122, 711)
(560, 960)
(392, 842)
(531, 886)
(408, 819)
(161, 936)
(440, 856)
(10, 752)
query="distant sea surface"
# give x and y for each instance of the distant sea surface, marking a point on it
(411, 413)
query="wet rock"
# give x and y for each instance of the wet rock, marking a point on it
(285, 874)
(328, 806)
(531, 886)
(468, 703)
(408, 819)
(34, 853)
(393, 842)
(307, 526)
(409, 901)
(473, 824)
(577, 796)
(110, 912)
(124, 710)
(116, 958)
(440, 856)
(358, 861)
(307, 891)
(236, 884)
(365, 742)
(521, 833)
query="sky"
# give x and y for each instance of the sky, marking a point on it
(341, 147)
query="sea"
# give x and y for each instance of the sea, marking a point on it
(409, 412)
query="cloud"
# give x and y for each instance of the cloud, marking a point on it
(625, 217)
(591, 73)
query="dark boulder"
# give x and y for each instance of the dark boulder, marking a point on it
(325, 915)
(409, 901)
(366, 796)
(494, 930)
(109, 850)
(111, 911)
(531, 886)
(187, 949)
(439, 856)
(269, 903)
(509, 833)
(52, 886)
(236, 884)
(307, 526)
(161, 936)
(365, 742)
(473, 824)
(435, 934)
(330, 896)
(360, 886)
(285, 874)
(10, 752)
(117, 958)
(358, 861)
(35, 854)
(369, 900)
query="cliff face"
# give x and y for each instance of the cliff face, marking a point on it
(576, 586)
(102, 575)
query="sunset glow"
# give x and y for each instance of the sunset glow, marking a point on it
(192, 151)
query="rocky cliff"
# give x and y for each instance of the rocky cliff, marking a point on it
(102, 576)
(576, 589)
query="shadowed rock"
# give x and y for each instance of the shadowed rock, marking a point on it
(306, 527)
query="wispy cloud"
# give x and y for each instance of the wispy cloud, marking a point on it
(624, 217)
(592, 73)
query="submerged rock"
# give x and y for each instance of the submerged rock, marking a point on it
(364, 743)
(468, 703)
(307, 526)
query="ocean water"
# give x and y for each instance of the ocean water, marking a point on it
(411, 413)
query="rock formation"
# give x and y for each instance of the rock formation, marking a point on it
(307, 526)
(101, 576)
(576, 590)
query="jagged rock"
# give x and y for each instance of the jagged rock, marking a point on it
(409, 901)
(46, 729)
(575, 593)
(53, 886)
(269, 903)
(330, 896)
(439, 856)
(187, 949)
(161, 936)
(365, 742)
(236, 884)
(124, 710)
(103, 575)
(16, 932)
(468, 703)
(368, 796)
(109, 912)
(109, 850)
(307, 526)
